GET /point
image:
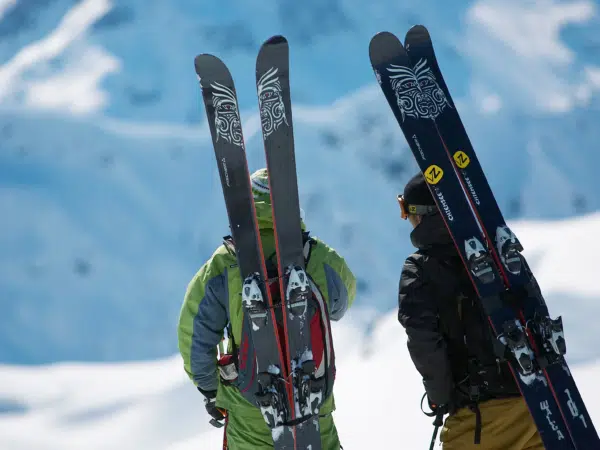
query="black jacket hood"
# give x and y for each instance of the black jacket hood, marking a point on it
(432, 236)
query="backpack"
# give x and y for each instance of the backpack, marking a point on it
(480, 371)
(476, 355)
(237, 364)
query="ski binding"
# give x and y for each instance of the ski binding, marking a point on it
(308, 390)
(479, 260)
(271, 397)
(509, 249)
(298, 290)
(253, 301)
(515, 338)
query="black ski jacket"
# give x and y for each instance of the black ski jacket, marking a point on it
(449, 337)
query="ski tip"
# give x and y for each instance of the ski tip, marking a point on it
(275, 40)
(383, 38)
(382, 45)
(417, 33)
(209, 67)
(204, 61)
(274, 51)
(418, 29)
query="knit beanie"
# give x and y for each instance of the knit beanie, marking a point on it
(416, 191)
(260, 185)
(260, 188)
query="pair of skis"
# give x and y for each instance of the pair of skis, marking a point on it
(412, 83)
(289, 395)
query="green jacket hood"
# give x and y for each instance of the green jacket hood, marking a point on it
(264, 215)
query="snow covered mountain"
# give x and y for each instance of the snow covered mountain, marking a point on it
(109, 196)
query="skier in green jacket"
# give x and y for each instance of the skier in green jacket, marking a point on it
(213, 304)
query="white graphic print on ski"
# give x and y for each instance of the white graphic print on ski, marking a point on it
(270, 101)
(227, 116)
(417, 92)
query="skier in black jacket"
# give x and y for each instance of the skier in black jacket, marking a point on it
(450, 340)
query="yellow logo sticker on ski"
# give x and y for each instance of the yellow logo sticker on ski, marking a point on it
(433, 174)
(461, 159)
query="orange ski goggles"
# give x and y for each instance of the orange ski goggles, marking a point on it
(406, 208)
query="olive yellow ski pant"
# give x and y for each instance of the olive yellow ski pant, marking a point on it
(505, 425)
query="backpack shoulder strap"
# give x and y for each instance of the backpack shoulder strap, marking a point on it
(229, 244)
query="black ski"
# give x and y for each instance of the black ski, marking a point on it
(273, 89)
(220, 100)
(506, 248)
(415, 98)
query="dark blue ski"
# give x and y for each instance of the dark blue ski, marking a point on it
(506, 248)
(416, 100)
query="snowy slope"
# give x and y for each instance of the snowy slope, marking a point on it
(151, 406)
(109, 197)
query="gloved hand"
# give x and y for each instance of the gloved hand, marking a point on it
(438, 409)
(211, 408)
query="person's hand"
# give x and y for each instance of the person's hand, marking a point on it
(438, 409)
(217, 414)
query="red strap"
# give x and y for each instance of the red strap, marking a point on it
(225, 445)
(317, 339)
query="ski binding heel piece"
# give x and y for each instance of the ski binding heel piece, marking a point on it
(308, 390)
(509, 248)
(253, 301)
(552, 333)
(298, 290)
(479, 260)
(515, 338)
(271, 397)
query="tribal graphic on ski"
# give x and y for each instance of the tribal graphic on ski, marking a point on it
(227, 116)
(271, 106)
(417, 92)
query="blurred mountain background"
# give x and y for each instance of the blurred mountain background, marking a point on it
(109, 195)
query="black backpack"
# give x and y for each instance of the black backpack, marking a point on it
(480, 371)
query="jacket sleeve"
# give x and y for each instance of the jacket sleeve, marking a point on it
(341, 284)
(417, 312)
(202, 320)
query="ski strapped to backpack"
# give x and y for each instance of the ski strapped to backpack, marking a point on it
(274, 100)
(413, 85)
(289, 388)
(228, 351)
